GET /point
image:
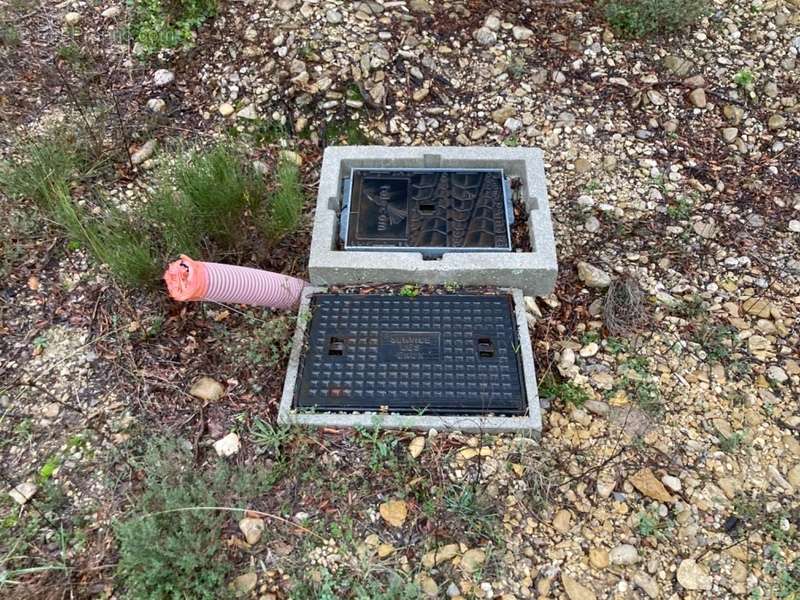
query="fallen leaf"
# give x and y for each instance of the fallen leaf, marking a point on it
(416, 446)
(394, 512)
(647, 483)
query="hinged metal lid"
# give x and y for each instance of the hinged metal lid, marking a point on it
(430, 210)
(448, 354)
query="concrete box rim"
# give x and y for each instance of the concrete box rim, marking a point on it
(533, 272)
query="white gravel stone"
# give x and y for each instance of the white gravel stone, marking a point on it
(163, 77)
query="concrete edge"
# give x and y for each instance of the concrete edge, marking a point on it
(535, 272)
(529, 424)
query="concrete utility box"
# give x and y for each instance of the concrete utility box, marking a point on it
(460, 361)
(340, 258)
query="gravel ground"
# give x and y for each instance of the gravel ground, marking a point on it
(669, 466)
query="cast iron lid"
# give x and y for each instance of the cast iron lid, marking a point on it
(431, 210)
(435, 355)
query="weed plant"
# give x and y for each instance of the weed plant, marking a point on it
(158, 24)
(641, 18)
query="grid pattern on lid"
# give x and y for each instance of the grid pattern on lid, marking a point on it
(451, 354)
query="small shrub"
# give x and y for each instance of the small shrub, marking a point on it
(284, 208)
(180, 554)
(158, 24)
(639, 18)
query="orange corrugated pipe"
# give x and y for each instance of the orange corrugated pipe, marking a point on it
(189, 279)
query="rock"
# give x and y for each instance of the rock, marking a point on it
(144, 152)
(111, 12)
(776, 374)
(72, 18)
(416, 446)
(163, 77)
(452, 590)
(502, 114)
(521, 33)
(605, 487)
(793, 476)
(655, 98)
(645, 481)
(333, 16)
(207, 389)
(624, 554)
(287, 5)
(492, 22)
(562, 521)
(596, 407)
(385, 550)
(693, 576)
(23, 492)
(420, 94)
(794, 226)
(589, 350)
(705, 229)
(574, 590)
(695, 81)
(472, 560)
(776, 122)
(228, 445)
(440, 555)
(226, 109)
(592, 276)
(598, 558)
(378, 94)
(244, 584)
(760, 307)
(672, 483)
(248, 112)
(291, 157)
(729, 134)
(733, 113)
(512, 124)
(485, 36)
(423, 6)
(592, 224)
(677, 65)
(156, 105)
(647, 584)
(51, 410)
(698, 98)
(252, 528)
(394, 512)
(582, 165)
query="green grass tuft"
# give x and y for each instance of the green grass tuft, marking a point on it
(284, 208)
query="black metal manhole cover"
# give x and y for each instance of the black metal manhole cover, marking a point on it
(454, 354)
(432, 210)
